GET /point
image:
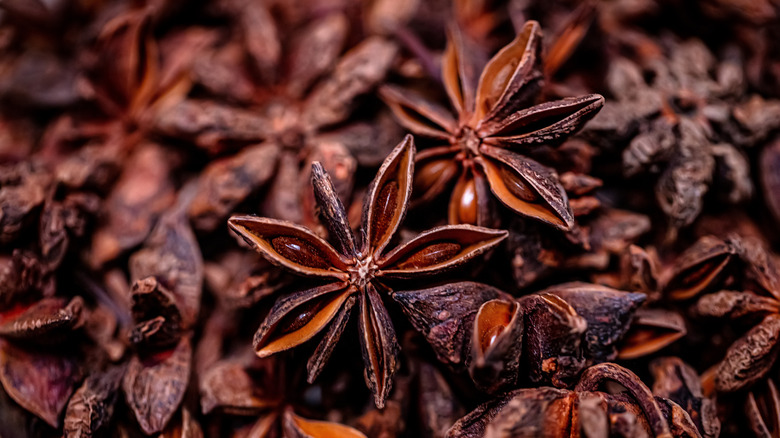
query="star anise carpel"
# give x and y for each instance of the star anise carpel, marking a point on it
(495, 121)
(356, 271)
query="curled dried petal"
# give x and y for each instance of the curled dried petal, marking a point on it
(680, 383)
(596, 375)
(47, 317)
(157, 317)
(171, 254)
(92, 405)
(699, 267)
(228, 386)
(761, 271)
(531, 410)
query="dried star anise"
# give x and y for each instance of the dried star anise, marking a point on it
(33, 371)
(357, 271)
(751, 357)
(494, 121)
(165, 303)
(685, 123)
(298, 92)
(653, 327)
(737, 281)
(254, 387)
(588, 410)
(502, 341)
(677, 381)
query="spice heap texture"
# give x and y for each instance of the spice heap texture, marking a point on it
(389, 218)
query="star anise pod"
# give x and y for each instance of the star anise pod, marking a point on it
(295, 96)
(589, 409)
(737, 284)
(750, 358)
(713, 263)
(494, 122)
(164, 303)
(679, 382)
(503, 341)
(40, 336)
(683, 114)
(653, 327)
(261, 388)
(358, 273)
(132, 78)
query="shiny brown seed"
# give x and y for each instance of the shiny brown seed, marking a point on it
(698, 273)
(384, 210)
(467, 202)
(494, 317)
(518, 187)
(489, 337)
(430, 255)
(299, 251)
(301, 317)
(427, 174)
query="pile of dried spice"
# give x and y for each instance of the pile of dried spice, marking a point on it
(389, 218)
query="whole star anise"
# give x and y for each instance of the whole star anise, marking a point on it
(494, 121)
(294, 111)
(356, 272)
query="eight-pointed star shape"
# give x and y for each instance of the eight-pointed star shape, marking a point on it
(356, 273)
(495, 121)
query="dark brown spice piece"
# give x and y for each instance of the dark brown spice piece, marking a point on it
(491, 124)
(358, 272)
